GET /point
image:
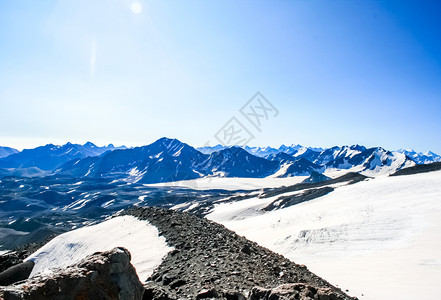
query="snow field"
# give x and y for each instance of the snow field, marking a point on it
(146, 248)
(379, 238)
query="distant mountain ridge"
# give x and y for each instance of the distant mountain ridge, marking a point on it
(5, 151)
(51, 156)
(171, 160)
(168, 160)
(421, 158)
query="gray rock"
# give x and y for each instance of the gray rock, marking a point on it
(293, 291)
(207, 293)
(16, 273)
(154, 292)
(102, 275)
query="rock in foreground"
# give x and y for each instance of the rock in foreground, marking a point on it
(102, 275)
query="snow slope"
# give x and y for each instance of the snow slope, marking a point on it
(232, 183)
(139, 237)
(380, 237)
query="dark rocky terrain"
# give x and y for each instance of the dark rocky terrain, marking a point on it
(287, 201)
(17, 256)
(34, 209)
(350, 178)
(418, 169)
(210, 261)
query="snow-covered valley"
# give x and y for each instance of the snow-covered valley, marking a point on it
(337, 211)
(374, 237)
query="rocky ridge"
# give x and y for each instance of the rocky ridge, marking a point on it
(210, 261)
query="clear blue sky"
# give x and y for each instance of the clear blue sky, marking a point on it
(339, 72)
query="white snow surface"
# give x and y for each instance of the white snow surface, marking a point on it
(147, 249)
(380, 237)
(232, 183)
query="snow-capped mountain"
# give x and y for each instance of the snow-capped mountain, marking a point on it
(310, 154)
(50, 156)
(171, 160)
(371, 162)
(210, 149)
(293, 166)
(293, 149)
(5, 151)
(259, 151)
(339, 156)
(236, 162)
(378, 160)
(421, 158)
(164, 160)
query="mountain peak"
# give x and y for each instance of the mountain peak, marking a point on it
(167, 141)
(90, 145)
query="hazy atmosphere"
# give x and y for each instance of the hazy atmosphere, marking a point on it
(125, 72)
(220, 149)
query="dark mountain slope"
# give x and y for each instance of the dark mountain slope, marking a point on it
(236, 162)
(5, 151)
(164, 160)
(419, 169)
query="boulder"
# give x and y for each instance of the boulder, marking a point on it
(16, 273)
(102, 275)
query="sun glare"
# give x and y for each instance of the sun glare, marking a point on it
(136, 7)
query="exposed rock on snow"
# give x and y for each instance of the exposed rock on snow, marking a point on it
(375, 237)
(419, 169)
(106, 275)
(287, 201)
(316, 177)
(210, 261)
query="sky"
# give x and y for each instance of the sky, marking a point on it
(129, 72)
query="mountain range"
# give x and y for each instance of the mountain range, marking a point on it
(168, 160)
(5, 151)
(50, 156)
